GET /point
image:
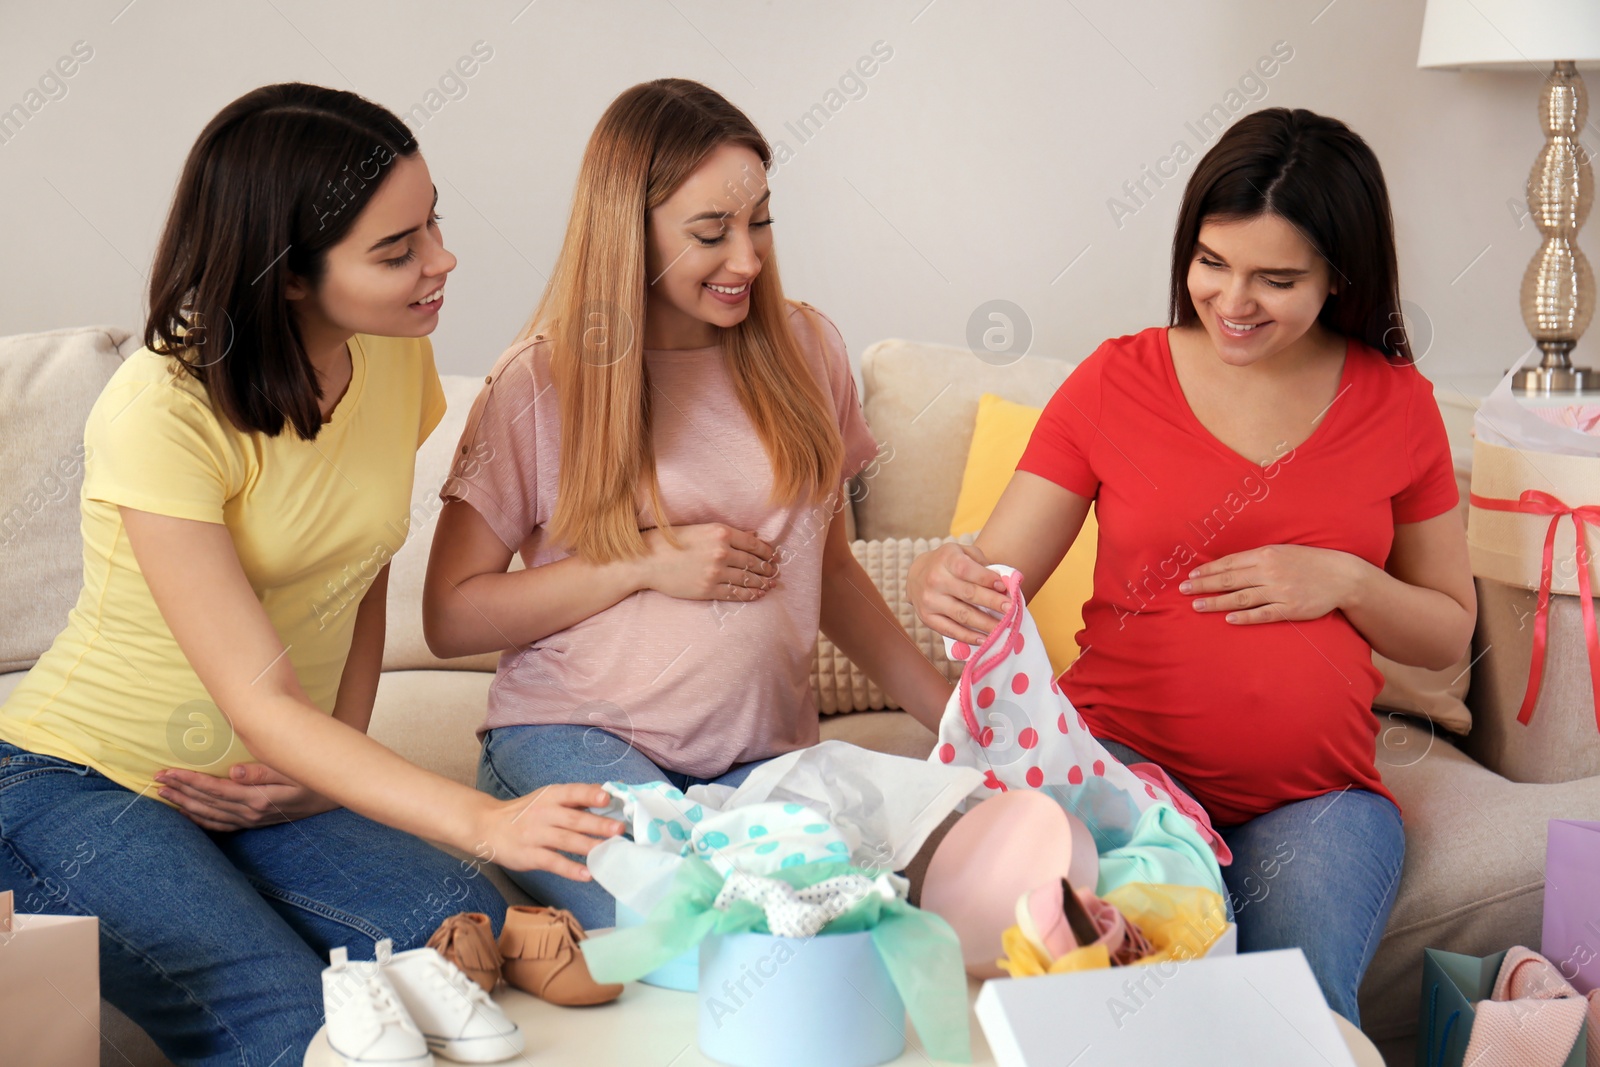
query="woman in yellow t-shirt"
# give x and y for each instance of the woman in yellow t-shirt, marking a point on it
(188, 761)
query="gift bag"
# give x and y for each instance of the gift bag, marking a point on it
(1535, 495)
(1009, 719)
(1454, 988)
(1571, 935)
(49, 988)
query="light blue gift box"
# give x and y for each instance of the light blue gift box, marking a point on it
(770, 1001)
(682, 974)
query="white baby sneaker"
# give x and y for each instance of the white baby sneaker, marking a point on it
(455, 1015)
(367, 1023)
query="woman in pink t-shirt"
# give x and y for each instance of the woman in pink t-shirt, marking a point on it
(665, 447)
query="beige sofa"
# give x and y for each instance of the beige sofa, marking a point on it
(1473, 877)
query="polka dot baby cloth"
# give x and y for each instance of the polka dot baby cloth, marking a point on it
(1009, 719)
(803, 912)
(754, 839)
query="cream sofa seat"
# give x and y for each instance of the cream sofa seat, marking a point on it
(1473, 876)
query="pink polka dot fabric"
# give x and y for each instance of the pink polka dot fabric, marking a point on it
(1009, 719)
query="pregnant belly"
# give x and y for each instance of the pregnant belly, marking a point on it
(1248, 716)
(653, 646)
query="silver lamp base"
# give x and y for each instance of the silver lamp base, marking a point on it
(1556, 374)
(1558, 290)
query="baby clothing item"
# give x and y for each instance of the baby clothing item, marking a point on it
(1188, 807)
(537, 952)
(541, 956)
(1135, 925)
(366, 1023)
(1532, 1017)
(804, 911)
(1009, 719)
(467, 940)
(456, 1017)
(885, 806)
(1046, 919)
(754, 839)
(397, 1007)
(830, 805)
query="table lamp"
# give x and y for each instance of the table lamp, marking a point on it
(1553, 35)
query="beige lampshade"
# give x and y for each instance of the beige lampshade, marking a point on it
(1524, 35)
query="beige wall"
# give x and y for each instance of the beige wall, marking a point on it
(976, 163)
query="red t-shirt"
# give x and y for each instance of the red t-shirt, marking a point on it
(1248, 717)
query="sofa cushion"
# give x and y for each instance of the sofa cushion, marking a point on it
(893, 732)
(404, 648)
(48, 383)
(1473, 880)
(999, 439)
(921, 402)
(837, 683)
(431, 718)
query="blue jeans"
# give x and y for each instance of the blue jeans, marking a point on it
(1320, 874)
(517, 760)
(214, 943)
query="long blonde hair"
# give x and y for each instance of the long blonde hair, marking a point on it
(646, 145)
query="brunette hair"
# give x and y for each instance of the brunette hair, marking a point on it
(648, 142)
(1321, 177)
(274, 180)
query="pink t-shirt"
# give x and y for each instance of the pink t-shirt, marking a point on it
(696, 685)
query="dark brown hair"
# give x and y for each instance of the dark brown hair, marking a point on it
(273, 182)
(1320, 176)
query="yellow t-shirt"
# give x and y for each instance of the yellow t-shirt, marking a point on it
(313, 523)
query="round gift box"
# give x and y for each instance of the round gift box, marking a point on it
(682, 974)
(786, 1002)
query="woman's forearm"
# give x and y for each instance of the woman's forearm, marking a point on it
(496, 611)
(1406, 623)
(354, 771)
(857, 619)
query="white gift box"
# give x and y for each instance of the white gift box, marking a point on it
(49, 988)
(1261, 1008)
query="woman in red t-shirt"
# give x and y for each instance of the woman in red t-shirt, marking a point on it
(1275, 500)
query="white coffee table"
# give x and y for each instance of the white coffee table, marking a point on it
(652, 1027)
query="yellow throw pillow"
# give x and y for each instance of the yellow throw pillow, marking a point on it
(998, 440)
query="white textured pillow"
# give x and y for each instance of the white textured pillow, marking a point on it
(840, 685)
(404, 648)
(48, 383)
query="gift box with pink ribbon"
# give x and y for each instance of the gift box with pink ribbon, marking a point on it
(1533, 531)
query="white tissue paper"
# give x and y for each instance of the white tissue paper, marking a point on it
(1503, 420)
(877, 808)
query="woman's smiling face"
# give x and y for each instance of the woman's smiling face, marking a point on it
(1258, 286)
(705, 245)
(386, 276)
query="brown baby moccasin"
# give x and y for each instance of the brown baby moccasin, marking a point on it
(467, 940)
(541, 954)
